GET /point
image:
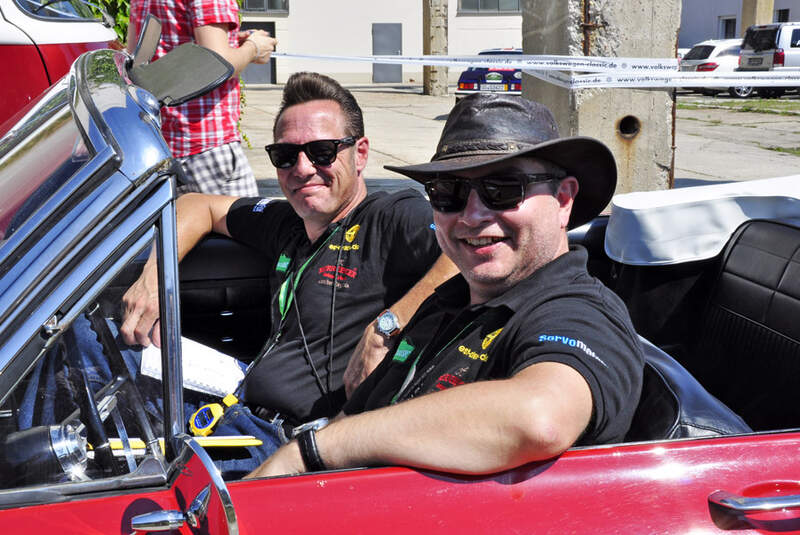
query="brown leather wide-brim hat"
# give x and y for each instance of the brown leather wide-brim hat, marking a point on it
(486, 128)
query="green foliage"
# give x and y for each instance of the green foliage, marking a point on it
(120, 12)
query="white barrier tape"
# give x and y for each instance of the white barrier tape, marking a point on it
(605, 72)
(510, 61)
(684, 79)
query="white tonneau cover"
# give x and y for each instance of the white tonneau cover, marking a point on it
(682, 225)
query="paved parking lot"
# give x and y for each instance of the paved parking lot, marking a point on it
(713, 143)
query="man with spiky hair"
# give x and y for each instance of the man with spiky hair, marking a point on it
(348, 269)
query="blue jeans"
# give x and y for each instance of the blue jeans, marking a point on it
(51, 392)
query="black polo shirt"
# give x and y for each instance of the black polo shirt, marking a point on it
(558, 314)
(373, 257)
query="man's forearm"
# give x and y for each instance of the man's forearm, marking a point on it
(255, 49)
(372, 346)
(478, 428)
(439, 272)
(197, 215)
(447, 431)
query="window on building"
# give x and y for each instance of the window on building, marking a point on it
(727, 27)
(268, 6)
(488, 6)
(781, 15)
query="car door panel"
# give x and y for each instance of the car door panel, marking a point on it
(638, 488)
(119, 513)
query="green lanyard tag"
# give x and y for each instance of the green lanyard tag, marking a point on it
(283, 263)
(412, 370)
(404, 349)
(287, 289)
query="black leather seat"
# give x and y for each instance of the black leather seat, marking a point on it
(746, 350)
(674, 405)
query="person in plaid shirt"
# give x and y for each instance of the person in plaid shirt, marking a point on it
(202, 133)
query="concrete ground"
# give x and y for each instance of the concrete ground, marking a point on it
(403, 127)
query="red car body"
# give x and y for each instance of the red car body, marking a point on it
(638, 488)
(37, 50)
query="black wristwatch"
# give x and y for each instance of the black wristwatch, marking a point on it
(388, 324)
(307, 441)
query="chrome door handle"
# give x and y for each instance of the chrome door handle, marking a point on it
(742, 504)
(158, 521)
(170, 520)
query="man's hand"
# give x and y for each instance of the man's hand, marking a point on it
(286, 460)
(140, 310)
(215, 37)
(369, 352)
(264, 44)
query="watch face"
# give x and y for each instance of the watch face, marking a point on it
(387, 322)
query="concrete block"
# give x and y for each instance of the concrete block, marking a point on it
(637, 125)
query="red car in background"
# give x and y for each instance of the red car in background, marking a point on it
(39, 40)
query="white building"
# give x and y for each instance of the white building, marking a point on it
(366, 27)
(722, 19)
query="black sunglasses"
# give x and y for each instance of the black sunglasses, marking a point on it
(320, 152)
(501, 192)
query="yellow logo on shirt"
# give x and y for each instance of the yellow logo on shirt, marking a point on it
(490, 338)
(350, 235)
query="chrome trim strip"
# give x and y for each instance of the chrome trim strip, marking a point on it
(169, 311)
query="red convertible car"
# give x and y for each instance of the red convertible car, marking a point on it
(86, 192)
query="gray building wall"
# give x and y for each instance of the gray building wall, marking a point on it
(703, 19)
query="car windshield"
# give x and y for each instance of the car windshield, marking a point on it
(758, 40)
(59, 9)
(699, 52)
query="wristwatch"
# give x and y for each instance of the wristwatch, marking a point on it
(388, 324)
(307, 441)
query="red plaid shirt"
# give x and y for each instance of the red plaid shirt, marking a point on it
(208, 121)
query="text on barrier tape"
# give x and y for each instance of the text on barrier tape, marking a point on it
(646, 73)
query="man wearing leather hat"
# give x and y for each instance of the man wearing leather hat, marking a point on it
(521, 355)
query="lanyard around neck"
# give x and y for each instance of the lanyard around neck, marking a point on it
(287, 289)
(413, 369)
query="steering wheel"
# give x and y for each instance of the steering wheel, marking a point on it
(96, 434)
(123, 388)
